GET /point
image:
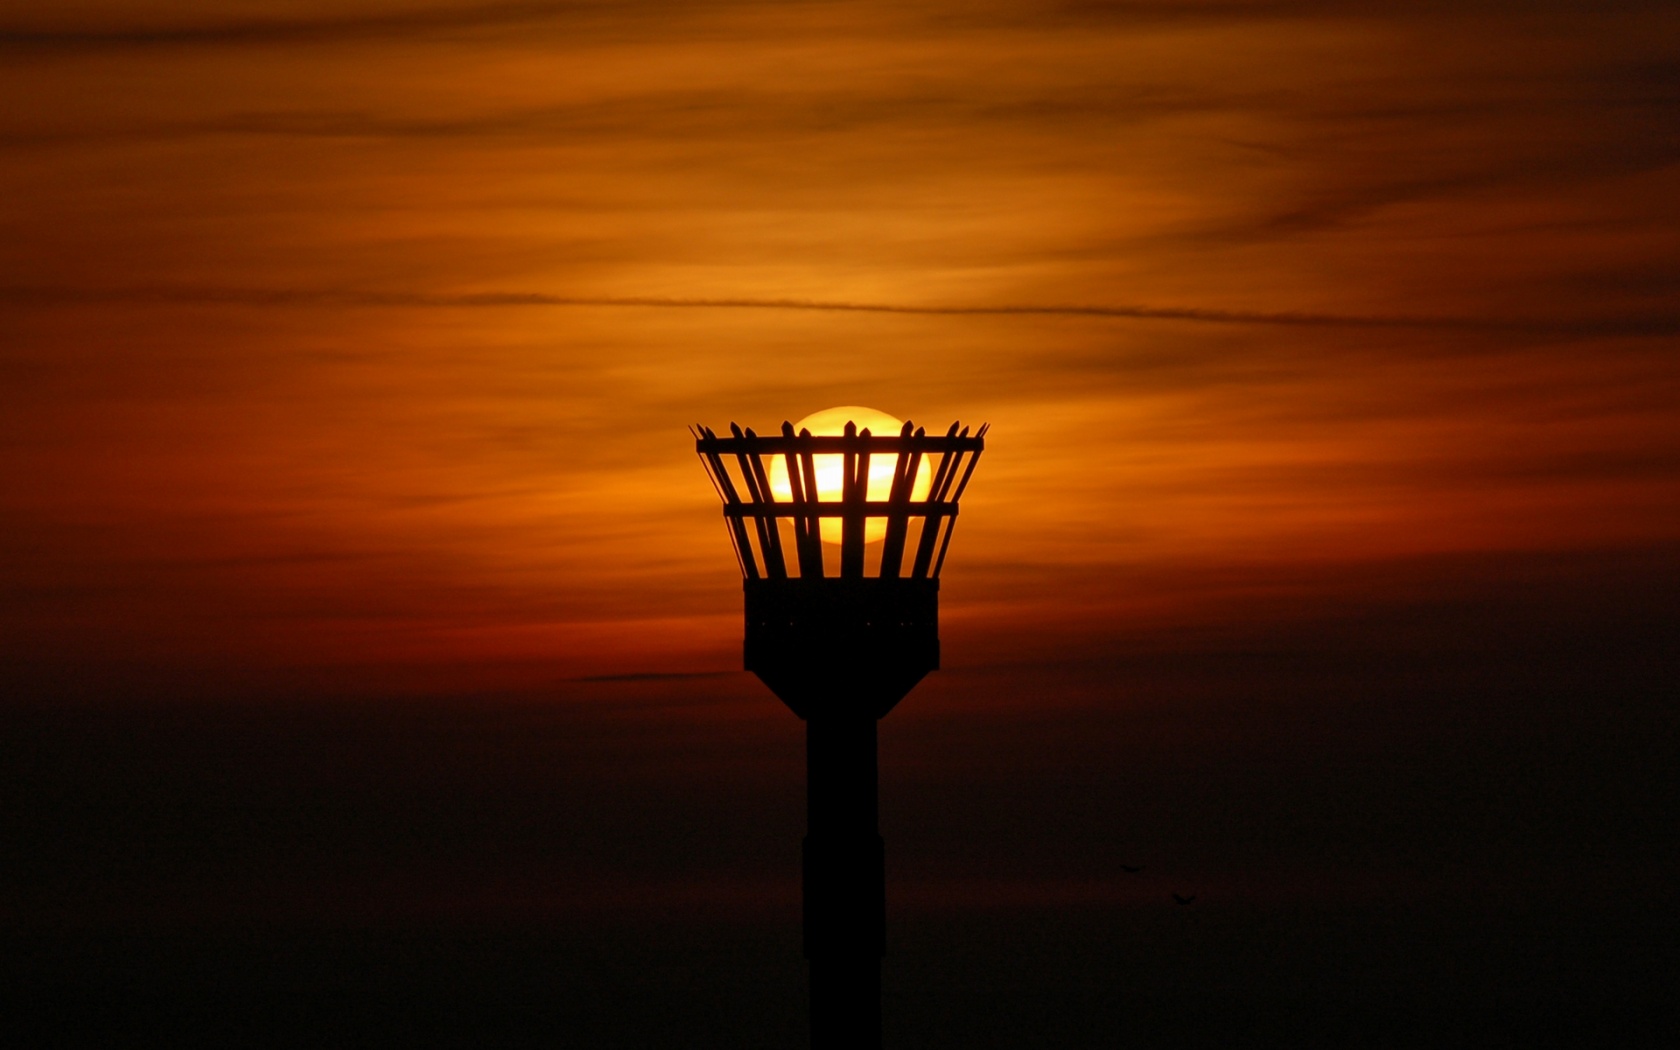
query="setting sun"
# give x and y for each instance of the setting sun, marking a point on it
(831, 422)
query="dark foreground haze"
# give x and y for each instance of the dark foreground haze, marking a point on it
(1445, 823)
(369, 639)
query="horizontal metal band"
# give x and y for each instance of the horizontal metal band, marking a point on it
(837, 444)
(870, 509)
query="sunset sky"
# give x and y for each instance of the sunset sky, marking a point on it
(355, 560)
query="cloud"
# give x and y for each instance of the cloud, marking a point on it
(272, 31)
(422, 21)
(403, 23)
(731, 111)
(1651, 325)
(1228, 288)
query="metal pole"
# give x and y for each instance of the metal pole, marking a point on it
(844, 882)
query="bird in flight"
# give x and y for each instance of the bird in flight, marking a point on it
(1184, 900)
(1130, 869)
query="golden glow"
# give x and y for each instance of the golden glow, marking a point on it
(829, 469)
(293, 385)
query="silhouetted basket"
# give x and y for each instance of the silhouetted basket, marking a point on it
(853, 643)
(923, 526)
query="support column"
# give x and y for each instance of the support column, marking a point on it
(844, 882)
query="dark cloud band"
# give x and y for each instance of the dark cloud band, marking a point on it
(1633, 325)
(400, 23)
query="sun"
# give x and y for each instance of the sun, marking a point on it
(832, 421)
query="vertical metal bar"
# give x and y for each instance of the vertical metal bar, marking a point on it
(944, 488)
(737, 529)
(924, 544)
(855, 491)
(774, 560)
(972, 460)
(808, 468)
(698, 432)
(945, 544)
(810, 564)
(751, 481)
(931, 525)
(944, 467)
(898, 517)
(705, 461)
(951, 522)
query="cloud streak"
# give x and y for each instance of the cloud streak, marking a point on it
(1651, 325)
(422, 21)
(1228, 286)
(275, 31)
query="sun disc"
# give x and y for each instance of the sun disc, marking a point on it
(830, 470)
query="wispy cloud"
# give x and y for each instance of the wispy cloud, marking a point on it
(446, 18)
(1235, 282)
(1647, 325)
(270, 31)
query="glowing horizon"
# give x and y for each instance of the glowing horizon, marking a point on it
(400, 386)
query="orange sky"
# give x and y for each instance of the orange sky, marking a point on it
(357, 341)
(357, 573)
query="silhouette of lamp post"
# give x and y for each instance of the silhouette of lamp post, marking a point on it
(841, 537)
